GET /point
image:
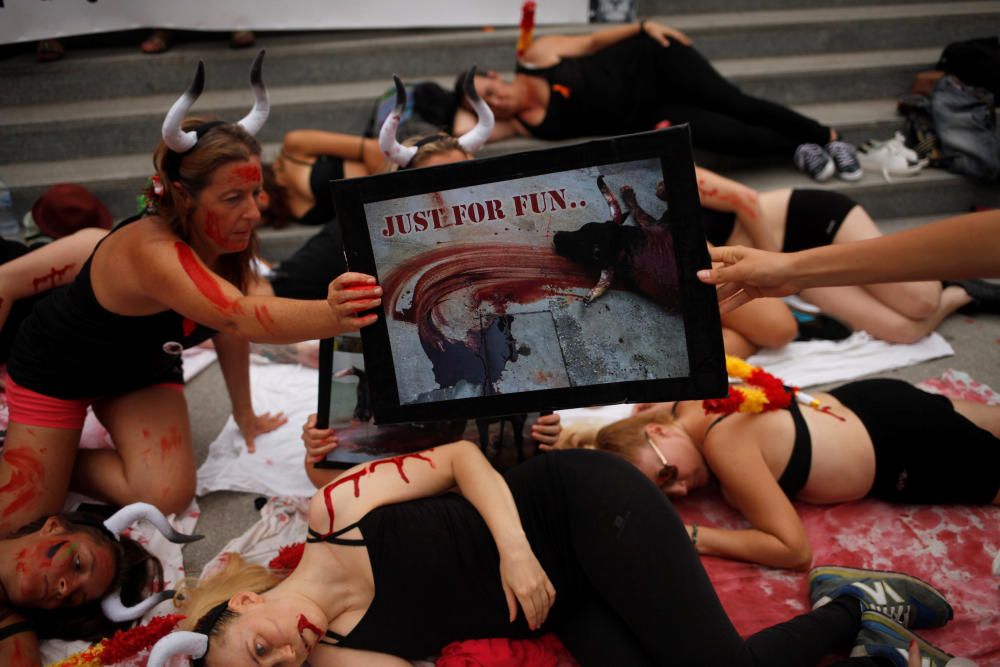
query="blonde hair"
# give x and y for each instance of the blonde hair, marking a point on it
(438, 144)
(218, 146)
(237, 575)
(626, 437)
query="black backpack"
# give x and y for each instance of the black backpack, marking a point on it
(975, 61)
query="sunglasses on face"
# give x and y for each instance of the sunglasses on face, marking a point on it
(668, 474)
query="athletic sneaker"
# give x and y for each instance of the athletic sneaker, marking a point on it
(845, 160)
(882, 637)
(908, 600)
(891, 157)
(813, 160)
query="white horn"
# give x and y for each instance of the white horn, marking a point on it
(392, 149)
(129, 514)
(115, 610)
(193, 644)
(175, 138)
(255, 120)
(475, 138)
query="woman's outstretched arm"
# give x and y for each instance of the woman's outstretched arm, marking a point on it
(306, 144)
(966, 246)
(547, 50)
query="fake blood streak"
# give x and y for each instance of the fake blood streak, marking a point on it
(248, 173)
(355, 478)
(53, 277)
(25, 482)
(304, 624)
(203, 280)
(264, 318)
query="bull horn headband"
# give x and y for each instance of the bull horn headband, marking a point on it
(470, 142)
(192, 644)
(180, 142)
(112, 605)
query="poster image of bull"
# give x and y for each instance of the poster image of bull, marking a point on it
(549, 281)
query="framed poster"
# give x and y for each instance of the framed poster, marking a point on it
(544, 280)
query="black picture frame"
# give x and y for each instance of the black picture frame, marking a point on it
(667, 152)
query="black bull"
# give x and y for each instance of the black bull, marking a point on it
(639, 256)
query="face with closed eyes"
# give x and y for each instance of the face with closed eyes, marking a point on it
(669, 444)
(269, 632)
(54, 567)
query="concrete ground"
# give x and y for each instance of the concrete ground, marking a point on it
(224, 515)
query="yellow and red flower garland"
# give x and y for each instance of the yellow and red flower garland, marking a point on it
(124, 645)
(760, 391)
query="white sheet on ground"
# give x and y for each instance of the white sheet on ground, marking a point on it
(814, 362)
(277, 467)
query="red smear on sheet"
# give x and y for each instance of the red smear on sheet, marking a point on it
(203, 280)
(25, 483)
(53, 277)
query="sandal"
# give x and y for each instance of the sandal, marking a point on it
(157, 42)
(49, 50)
(242, 39)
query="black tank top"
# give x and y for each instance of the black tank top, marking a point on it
(326, 168)
(614, 91)
(419, 550)
(71, 347)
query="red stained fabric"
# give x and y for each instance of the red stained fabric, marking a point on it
(546, 651)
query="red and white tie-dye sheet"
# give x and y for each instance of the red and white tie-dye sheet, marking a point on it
(950, 547)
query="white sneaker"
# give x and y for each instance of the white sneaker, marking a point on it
(891, 157)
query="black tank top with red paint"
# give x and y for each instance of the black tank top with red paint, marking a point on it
(71, 347)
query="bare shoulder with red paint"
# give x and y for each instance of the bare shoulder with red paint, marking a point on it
(397, 479)
(21, 648)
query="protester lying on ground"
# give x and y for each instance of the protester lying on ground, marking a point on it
(876, 438)
(577, 543)
(955, 249)
(789, 220)
(638, 77)
(73, 576)
(154, 286)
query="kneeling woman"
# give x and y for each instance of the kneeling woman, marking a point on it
(877, 438)
(151, 288)
(393, 568)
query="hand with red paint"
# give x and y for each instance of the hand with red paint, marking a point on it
(546, 429)
(525, 582)
(251, 425)
(350, 294)
(318, 441)
(664, 33)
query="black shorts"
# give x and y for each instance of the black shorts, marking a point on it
(814, 216)
(925, 452)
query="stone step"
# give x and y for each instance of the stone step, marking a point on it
(97, 128)
(650, 7)
(116, 179)
(324, 57)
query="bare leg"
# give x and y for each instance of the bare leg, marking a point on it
(984, 416)
(34, 473)
(154, 459)
(913, 300)
(859, 309)
(766, 323)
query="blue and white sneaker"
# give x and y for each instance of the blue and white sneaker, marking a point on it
(845, 160)
(882, 637)
(907, 600)
(813, 160)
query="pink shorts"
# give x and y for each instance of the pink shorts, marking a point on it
(33, 409)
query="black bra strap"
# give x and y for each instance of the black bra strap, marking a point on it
(712, 425)
(335, 537)
(330, 634)
(15, 629)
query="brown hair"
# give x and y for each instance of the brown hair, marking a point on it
(218, 146)
(137, 573)
(277, 214)
(626, 437)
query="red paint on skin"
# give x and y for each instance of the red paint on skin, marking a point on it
(145, 432)
(54, 276)
(145, 454)
(398, 462)
(304, 624)
(827, 411)
(212, 229)
(188, 326)
(249, 173)
(203, 280)
(170, 442)
(25, 483)
(264, 318)
(19, 659)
